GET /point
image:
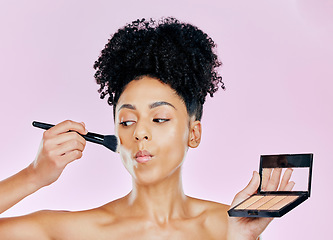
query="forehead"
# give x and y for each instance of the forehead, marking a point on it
(146, 91)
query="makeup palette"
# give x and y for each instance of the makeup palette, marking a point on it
(275, 171)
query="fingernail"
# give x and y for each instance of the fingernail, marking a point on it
(84, 125)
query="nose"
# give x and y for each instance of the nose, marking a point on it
(142, 133)
(138, 138)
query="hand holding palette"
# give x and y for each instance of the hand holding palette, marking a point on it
(270, 202)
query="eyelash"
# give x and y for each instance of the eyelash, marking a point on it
(156, 120)
(161, 120)
(126, 122)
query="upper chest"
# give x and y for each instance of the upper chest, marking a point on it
(191, 229)
(103, 227)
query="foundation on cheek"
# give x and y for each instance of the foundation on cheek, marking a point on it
(275, 196)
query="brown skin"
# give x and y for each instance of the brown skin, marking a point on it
(150, 116)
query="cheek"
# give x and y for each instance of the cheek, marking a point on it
(125, 137)
(173, 141)
(126, 158)
(179, 133)
(125, 153)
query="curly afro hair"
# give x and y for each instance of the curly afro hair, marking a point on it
(177, 54)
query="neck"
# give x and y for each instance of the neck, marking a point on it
(159, 201)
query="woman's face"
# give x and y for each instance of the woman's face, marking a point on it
(153, 128)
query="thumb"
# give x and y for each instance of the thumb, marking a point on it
(249, 190)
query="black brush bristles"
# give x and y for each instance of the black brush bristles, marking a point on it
(111, 142)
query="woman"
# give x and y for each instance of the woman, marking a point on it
(156, 76)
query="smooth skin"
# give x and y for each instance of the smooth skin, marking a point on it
(150, 117)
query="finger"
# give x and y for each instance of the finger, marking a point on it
(252, 186)
(71, 156)
(52, 144)
(285, 179)
(69, 146)
(249, 190)
(289, 186)
(266, 174)
(68, 136)
(66, 126)
(274, 180)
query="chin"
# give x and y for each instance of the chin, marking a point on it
(145, 177)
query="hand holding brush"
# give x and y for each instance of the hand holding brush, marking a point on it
(108, 141)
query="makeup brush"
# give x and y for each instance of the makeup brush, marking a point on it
(108, 141)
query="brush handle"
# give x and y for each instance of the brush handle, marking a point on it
(90, 136)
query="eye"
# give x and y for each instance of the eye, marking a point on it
(127, 123)
(161, 120)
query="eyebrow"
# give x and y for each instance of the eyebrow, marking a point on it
(129, 106)
(151, 106)
(161, 103)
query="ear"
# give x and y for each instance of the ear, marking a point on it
(194, 136)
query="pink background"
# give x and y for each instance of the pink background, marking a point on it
(277, 66)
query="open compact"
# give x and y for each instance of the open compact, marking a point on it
(268, 203)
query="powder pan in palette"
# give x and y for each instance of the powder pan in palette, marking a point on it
(277, 203)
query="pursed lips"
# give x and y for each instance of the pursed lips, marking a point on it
(143, 156)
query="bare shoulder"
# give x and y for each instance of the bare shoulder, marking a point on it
(37, 225)
(87, 224)
(215, 216)
(27, 227)
(78, 225)
(49, 224)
